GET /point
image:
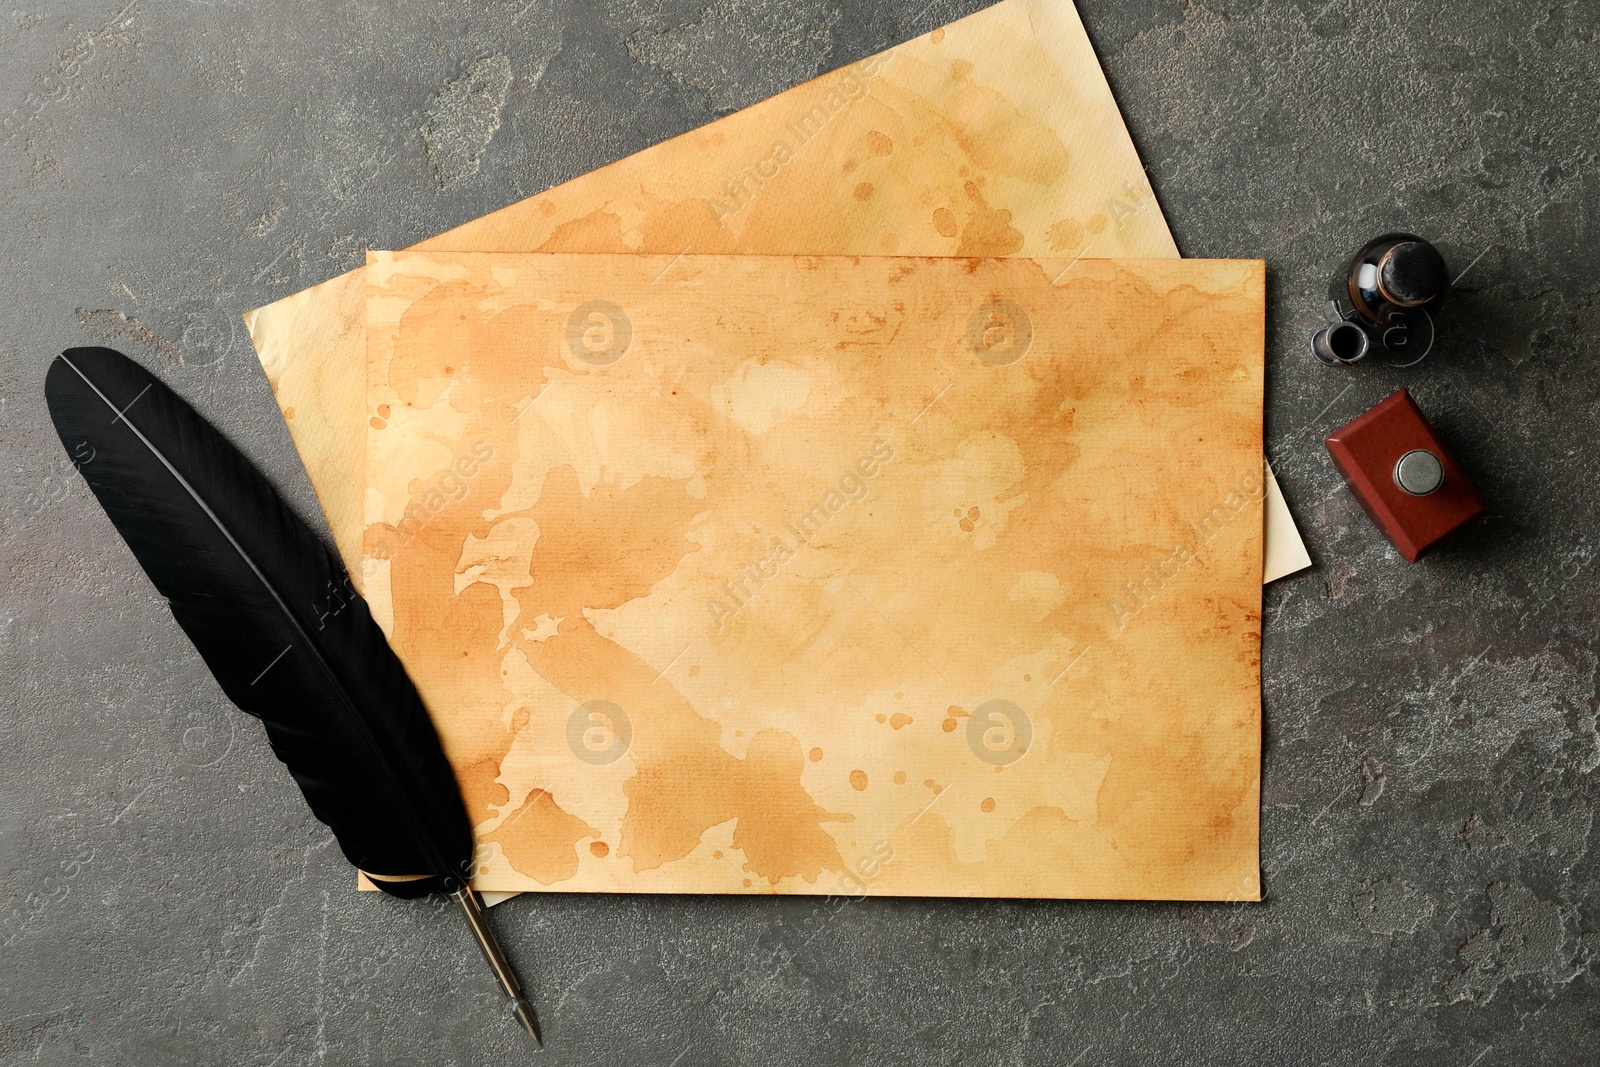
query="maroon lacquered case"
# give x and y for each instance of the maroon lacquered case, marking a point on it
(1407, 481)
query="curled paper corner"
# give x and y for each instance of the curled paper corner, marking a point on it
(1283, 555)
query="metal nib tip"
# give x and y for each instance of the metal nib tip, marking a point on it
(524, 1013)
(473, 910)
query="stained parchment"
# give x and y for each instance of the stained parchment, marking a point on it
(994, 136)
(744, 574)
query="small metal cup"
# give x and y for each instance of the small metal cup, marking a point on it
(1340, 344)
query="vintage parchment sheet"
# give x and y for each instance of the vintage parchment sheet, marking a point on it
(745, 574)
(994, 136)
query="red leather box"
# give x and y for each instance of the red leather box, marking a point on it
(1405, 479)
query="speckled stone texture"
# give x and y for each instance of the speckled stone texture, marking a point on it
(1431, 729)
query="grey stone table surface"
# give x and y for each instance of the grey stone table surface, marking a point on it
(1430, 730)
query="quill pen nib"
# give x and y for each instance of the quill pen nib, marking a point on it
(473, 910)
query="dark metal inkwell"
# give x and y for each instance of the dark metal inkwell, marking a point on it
(1386, 298)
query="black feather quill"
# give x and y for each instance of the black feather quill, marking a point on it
(274, 616)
